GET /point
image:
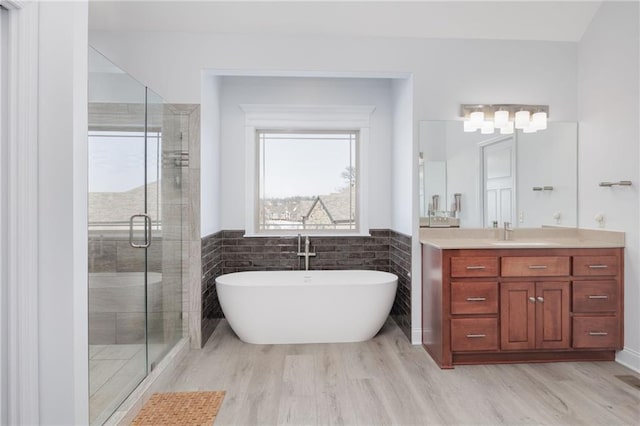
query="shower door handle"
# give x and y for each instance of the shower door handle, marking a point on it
(147, 231)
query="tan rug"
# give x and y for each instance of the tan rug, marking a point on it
(180, 409)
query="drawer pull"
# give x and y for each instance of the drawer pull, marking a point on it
(597, 333)
(537, 266)
(476, 336)
(598, 296)
(476, 299)
(598, 266)
(470, 268)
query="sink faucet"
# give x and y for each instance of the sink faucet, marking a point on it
(306, 253)
(508, 230)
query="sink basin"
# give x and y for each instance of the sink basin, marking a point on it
(524, 243)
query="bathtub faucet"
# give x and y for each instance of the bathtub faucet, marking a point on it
(306, 254)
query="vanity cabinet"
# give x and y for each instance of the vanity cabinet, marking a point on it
(521, 304)
(597, 320)
(535, 315)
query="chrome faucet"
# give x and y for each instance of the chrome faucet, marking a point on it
(508, 230)
(306, 253)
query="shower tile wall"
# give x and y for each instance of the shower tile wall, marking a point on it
(228, 251)
(172, 209)
(186, 127)
(115, 297)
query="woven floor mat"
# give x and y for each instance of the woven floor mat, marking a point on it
(180, 409)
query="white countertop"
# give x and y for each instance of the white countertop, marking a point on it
(552, 237)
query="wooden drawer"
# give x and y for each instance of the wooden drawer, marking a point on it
(535, 266)
(595, 332)
(474, 334)
(595, 296)
(474, 298)
(595, 265)
(474, 267)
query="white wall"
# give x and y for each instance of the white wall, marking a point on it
(608, 96)
(235, 91)
(463, 172)
(62, 213)
(404, 160)
(445, 72)
(4, 190)
(210, 174)
(547, 158)
(110, 87)
(49, 347)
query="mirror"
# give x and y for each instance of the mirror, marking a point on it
(472, 180)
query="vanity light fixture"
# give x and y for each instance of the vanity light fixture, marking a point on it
(504, 117)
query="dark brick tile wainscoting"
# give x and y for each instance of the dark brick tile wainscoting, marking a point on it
(400, 264)
(211, 268)
(228, 251)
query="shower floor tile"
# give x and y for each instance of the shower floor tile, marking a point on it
(95, 350)
(114, 371)
(118, 352)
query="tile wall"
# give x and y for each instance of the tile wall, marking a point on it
(400, 264)
(211, 269)
(228, 251)
(186, 122)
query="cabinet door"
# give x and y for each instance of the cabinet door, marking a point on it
(553, 325)
(517, 315)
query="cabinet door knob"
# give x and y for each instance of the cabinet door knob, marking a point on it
(532, 299)
(540, 299)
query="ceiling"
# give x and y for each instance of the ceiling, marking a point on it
(504, 20)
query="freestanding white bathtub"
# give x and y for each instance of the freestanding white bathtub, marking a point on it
(268, 307)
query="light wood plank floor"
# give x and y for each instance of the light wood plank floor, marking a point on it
(390, 382)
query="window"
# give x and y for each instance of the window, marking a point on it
(310, 178)
(307, 180)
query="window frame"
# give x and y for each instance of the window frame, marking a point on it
(258, 183)
(305, 118)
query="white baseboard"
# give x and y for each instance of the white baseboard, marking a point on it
(629, 358)
(416, 336)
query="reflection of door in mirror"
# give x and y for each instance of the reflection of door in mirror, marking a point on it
(499, 186)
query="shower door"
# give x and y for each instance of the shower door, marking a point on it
(135, 235)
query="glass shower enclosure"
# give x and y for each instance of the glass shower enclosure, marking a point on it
(135, 234)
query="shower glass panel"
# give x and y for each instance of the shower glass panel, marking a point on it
(135, 274)
(164, 205)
